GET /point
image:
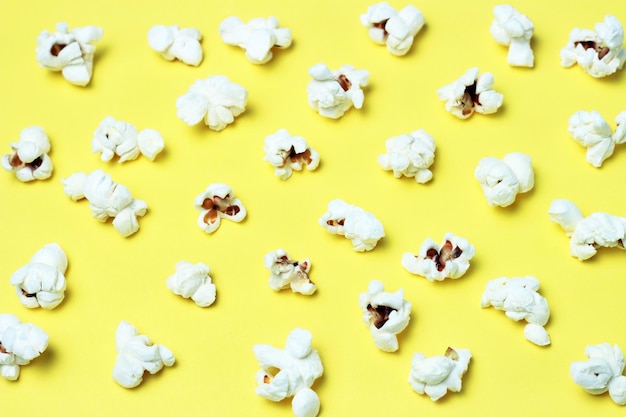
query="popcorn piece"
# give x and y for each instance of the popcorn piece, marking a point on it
(174, 43)
(602, 372)
(515, 30)
(216, 99)
(386, 314)
(471, 93)
(395, 29)
(115, 137)
(257, 37)
(286, 272)
(290, 372)
(439, 374)
(590, 130)
(106, 199)
(19, 344)
(70, 52)
(587, 234)
(215, 203)
(136, 354)
(193, 281)
(410, 156)
(354, 223)
(332, 93)
(519, 299)
(502, 180)
(29, 159)
(287, 153)
(438, 262)
(599, 53)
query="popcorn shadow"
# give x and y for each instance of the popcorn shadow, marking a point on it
(45, 361)
(147, 376)
(414, 50)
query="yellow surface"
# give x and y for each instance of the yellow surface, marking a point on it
(111, 278)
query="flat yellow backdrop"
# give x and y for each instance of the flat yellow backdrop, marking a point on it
(111, 278)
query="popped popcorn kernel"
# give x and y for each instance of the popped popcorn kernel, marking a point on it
(396, 30)
(29, 158)
(20, 343)
(590, 130)
(215, 203)
(362, 228)
(257, 37)
(409, 155)
(332, 93)
(116, 137)
(471, 93)
(436, 375)
(515, 30)
(193, 281)
(501, 180)
(288, 153)
(174, 43)
(286, 272)
(602, 372)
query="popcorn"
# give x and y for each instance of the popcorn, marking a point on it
(29, 159)
(438, 262)
(106, 199)
(332, 93)
(515, 30)
(386, 314)
(174, 43)
(41, 282)
(354, 223)
(590, 130)
(257, 37)
(502, 180)
(519, 299)
(439, 374)
(287, 153)
(70, 52)
(587, 234)
(216, 99)
(409, 155)
(215, 203)
(20, 343)
(290, 372)
(286, 272)
(193, 281)
(599, 53)
(115, 137)
(395, 29)
(602, 372)
(471, 93)
(136, 354)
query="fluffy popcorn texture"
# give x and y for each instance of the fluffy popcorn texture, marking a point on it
(519, 299)
(471, 93)
(515, 30)
(501, 180)
(19, 344)
(385, 313)
(174, 43)
(354, 223)
(29, 158)
(193, 281)
(602, 372)
(588, 234)
(438, 262)
(396, 30)
(137, 354)
(257, 37)
(216, 100)
(590, 130)
(436, 375)
(115, 137)
(286, 272)
(332, 93)
(215, 203)
(598, 53)
(70, 52)
(287, 153)
(409, 155)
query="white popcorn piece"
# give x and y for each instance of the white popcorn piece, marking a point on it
(29, 158)
(193, 281)
(286, 272)
(257, 37)
(290, 372)
(438, 262)
(136, 354)
(590, 130)
(502, 179)
(332, 93)
(519, 299)
(471, 93)
(396, 30)
(70, 52)
(602, 372)
(174, 43)
(216, 100)
(215, 203)
(19, 344)
(599, 53)
(409, 155)
(116, 137)
(362, 228)
(588, 234)
(515, 30)
(436, 375)
(386, 314)
(288, 153)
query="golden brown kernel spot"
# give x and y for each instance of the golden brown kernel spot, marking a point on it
(302, 156)
(446, 253)
(380, 314)
(344, 82)
(452, 354)
(28, 294)
(339, 222)
(15, 161)
(600, 50)
(57, 48)
(232, 210)
(2, 348)
(469, 99)
(210, 216)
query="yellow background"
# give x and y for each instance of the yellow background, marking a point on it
(111, 278)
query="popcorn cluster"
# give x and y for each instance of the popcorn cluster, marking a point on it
(288, 153)
(20, 343)
(471, 93)
(257, 37)
(29, 158)
(286, 272)
(115, 137)
(409, 155)
(174, 43)
(354, 223)
(396, 30)
(590, 130)
(436, 375)
(602, 372)
(193, 281)
(501, 180)
(332, 93)
(515, 30)
(215, 203)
